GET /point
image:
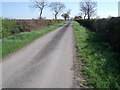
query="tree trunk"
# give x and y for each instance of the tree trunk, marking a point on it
(65, 18)
(88, 14)
(40, 17)
(56, 16)
(85, 16)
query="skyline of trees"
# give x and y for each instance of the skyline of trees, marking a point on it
(87, 8)
(45, 16)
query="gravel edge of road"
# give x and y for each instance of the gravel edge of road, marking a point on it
(80, 81)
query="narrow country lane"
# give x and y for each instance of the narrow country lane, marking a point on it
(45, 63)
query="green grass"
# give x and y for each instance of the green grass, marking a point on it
(102, 65)
(15, 42)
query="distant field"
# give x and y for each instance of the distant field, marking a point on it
(15, 26)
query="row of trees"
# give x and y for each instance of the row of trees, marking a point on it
(87, 8)
(57, 7)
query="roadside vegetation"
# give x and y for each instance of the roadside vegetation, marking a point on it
(109, 28)
(13, 43)
(101, 64)
(14, 26)
(9, 27)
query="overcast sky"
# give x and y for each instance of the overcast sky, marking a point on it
(21, 10)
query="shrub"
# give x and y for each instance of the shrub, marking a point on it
(9, 27)
(108, 28)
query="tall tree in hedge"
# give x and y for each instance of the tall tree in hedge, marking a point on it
(57, 7)
(88, 8)
(39, 5)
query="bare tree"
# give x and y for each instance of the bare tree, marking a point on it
(57, 7)
(39, 5)
(83, 9)
(88, 8)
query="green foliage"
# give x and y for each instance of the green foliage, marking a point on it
(9, 27)
(101, 64)
(108, 28)
(0, 28)
(15, 42)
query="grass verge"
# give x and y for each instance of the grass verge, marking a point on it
(102, 65)
(15, 42)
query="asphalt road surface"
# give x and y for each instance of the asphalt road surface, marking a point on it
(45, 63)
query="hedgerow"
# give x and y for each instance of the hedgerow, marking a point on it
(109, 28)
